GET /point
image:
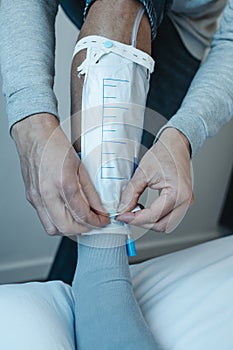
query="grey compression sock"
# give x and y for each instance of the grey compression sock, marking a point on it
(107, 313)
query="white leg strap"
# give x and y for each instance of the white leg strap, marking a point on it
(102, 46)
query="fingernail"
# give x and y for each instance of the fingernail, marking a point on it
(124, 217)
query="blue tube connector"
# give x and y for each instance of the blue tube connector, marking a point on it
(131, 247)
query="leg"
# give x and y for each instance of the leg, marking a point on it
(107, 314)
(164, 97)
(117, 27)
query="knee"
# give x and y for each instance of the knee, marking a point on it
(115, 19)
(123, 10)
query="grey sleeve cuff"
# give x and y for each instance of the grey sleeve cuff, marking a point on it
(191, 126)
(27, 55)
(31, 100)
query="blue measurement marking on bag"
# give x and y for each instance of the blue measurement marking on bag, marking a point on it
(110, 103)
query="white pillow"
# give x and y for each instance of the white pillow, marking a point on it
(36, 316)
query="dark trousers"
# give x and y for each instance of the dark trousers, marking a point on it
(175, 69)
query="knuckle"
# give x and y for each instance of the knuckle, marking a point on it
(184, 193)
(173, 200)
(83, 218)
(85, 215)
(172, 194)
(188, 194)
(153, 218)
(75, 211)
(161, 227)
(170, 225)
(28, 197)
(45, 193)
(32, 196)
(51, 231)
(45, 188)
(191, 199)
(64, 229)
(187, 189)
(68, 187)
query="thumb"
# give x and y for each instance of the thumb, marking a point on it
(132, 192)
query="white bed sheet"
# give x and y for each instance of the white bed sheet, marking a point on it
(186, 297)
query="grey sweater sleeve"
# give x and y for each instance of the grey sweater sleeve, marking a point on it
(209, 102)
(27, 49)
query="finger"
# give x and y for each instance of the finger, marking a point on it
(77, 203)
(49, 227)
(59, 214)
(159, 208)
(61, 217)
(168, 223)
(173, 219)
(90, 192)
(72, 227)
(74, 195)
(133, 190)
(37, 204)
(56, 217)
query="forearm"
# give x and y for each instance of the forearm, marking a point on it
(209, 102)
(27, 48)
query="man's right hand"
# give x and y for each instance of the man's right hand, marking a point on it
(56, 183)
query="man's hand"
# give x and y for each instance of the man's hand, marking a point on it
(166, 168)
(56, 182)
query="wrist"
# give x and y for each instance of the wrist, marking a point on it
(33, 127)
(171, 135)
